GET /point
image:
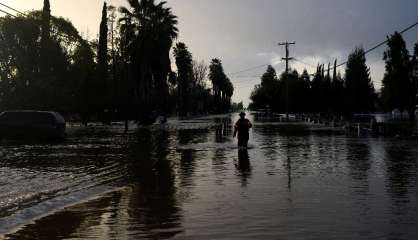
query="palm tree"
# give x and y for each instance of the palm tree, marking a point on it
(216, 74)
(222, 86)
(229, 91)
(185, 68)
(161, 66)
(149, 30)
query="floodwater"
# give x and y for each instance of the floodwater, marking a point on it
(186, 180)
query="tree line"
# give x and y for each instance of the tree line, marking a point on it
(126, 74)
(328, 92)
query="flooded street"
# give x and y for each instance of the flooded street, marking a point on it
(184, 181)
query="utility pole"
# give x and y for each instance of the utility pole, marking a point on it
(287, 59)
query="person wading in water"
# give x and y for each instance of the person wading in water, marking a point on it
(242, 127)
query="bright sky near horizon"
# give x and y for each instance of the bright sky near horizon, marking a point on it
(245, 33)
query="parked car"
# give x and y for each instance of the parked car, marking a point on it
(32, 124)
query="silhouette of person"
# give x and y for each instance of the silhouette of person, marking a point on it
(242, 127)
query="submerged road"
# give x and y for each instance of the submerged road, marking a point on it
(184, 181)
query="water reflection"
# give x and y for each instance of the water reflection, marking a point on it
(37, 178)
(187, 167)
(358, 158)
(66, 224)
(359, 164)
(400, 167)
(289, 173)
(244, 166)
(223, 129)
(189, 181)
(147, 208)
(152, 207)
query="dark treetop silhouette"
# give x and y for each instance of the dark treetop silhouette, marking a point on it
(348, 95)
(50, 66)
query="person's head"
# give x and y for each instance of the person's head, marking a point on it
(242, 114)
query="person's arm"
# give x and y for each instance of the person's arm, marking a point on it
(250, 125)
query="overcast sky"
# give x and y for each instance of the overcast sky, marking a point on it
(245, 33)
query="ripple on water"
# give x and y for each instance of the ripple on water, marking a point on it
(187, 182)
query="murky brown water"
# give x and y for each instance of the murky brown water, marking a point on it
(181, 181)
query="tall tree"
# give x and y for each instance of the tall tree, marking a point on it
(83, 71)
(334, 71)
(222, 89)
(200, 73)
(23, 83)
(149, 30)
(269, 83)
(327, 90)
(166, 22)
(305, 94)
(114, 88)
(228, 91)
(317, 90)
(272, 92)
(44, 61)
(337, 91)
(184, 76)
(46, 22)
(102, 63)
(398, 89)
(414, 79)
(360, 93)
(266, 95)
(199, 92)
(269, 78)
(216, 76)
(19, 61)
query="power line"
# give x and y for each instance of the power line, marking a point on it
(247, 84)
(245, 87)
(380, 44)
(4, 5)
(311, 65)
(7, 13)
(386, 41)
(307, 64)
(366, 51)
(247, 81)
(250, 69)
(249, 76)
(67, 37)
